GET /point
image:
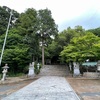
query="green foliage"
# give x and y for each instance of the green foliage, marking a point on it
(31, 27)
(26, 69)
(16, 52)
(23, 38)
(0, 76)
(50, 51)
(46, 26)
(27, 26)
(16, 58)
(82, 48)
(15, 74)
(27, 20)
(4, 18)
(36, 70)
(95, 31)
(46, 29)
(63, 39)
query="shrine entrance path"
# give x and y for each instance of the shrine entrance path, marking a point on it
(51, 85)
(45, 88)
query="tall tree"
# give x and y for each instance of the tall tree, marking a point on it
(27, 26)
(47, 28)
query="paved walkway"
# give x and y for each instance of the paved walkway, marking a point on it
(45, 88)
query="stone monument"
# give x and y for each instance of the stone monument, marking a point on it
(76, 69)
(31, 69)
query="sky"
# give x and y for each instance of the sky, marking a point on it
(63, 11)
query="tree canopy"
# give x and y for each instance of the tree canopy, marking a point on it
(95, 31)
(82, 48)
(25, 35)
(63, 39)
(32, 27)
(4, 17)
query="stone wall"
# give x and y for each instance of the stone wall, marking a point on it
(91, 74)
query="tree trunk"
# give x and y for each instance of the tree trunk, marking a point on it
(42, 55)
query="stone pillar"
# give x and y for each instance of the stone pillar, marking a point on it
(70, 67)
(4, 74)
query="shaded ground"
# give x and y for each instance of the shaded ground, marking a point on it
(87, 89)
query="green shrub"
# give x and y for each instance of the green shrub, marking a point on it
(0, 76)
(25, 70)
(36, 70)
(15, 75)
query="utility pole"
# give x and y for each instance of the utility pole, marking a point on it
(5, 37)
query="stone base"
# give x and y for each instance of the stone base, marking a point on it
(91, 74)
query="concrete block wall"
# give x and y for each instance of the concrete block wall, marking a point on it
(91, 74)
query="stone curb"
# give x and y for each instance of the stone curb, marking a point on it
(16, 79)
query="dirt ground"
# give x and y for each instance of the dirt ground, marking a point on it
(87, 89)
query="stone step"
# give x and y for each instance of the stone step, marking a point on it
(54, 70)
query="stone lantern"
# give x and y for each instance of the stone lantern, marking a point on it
(5, 70)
